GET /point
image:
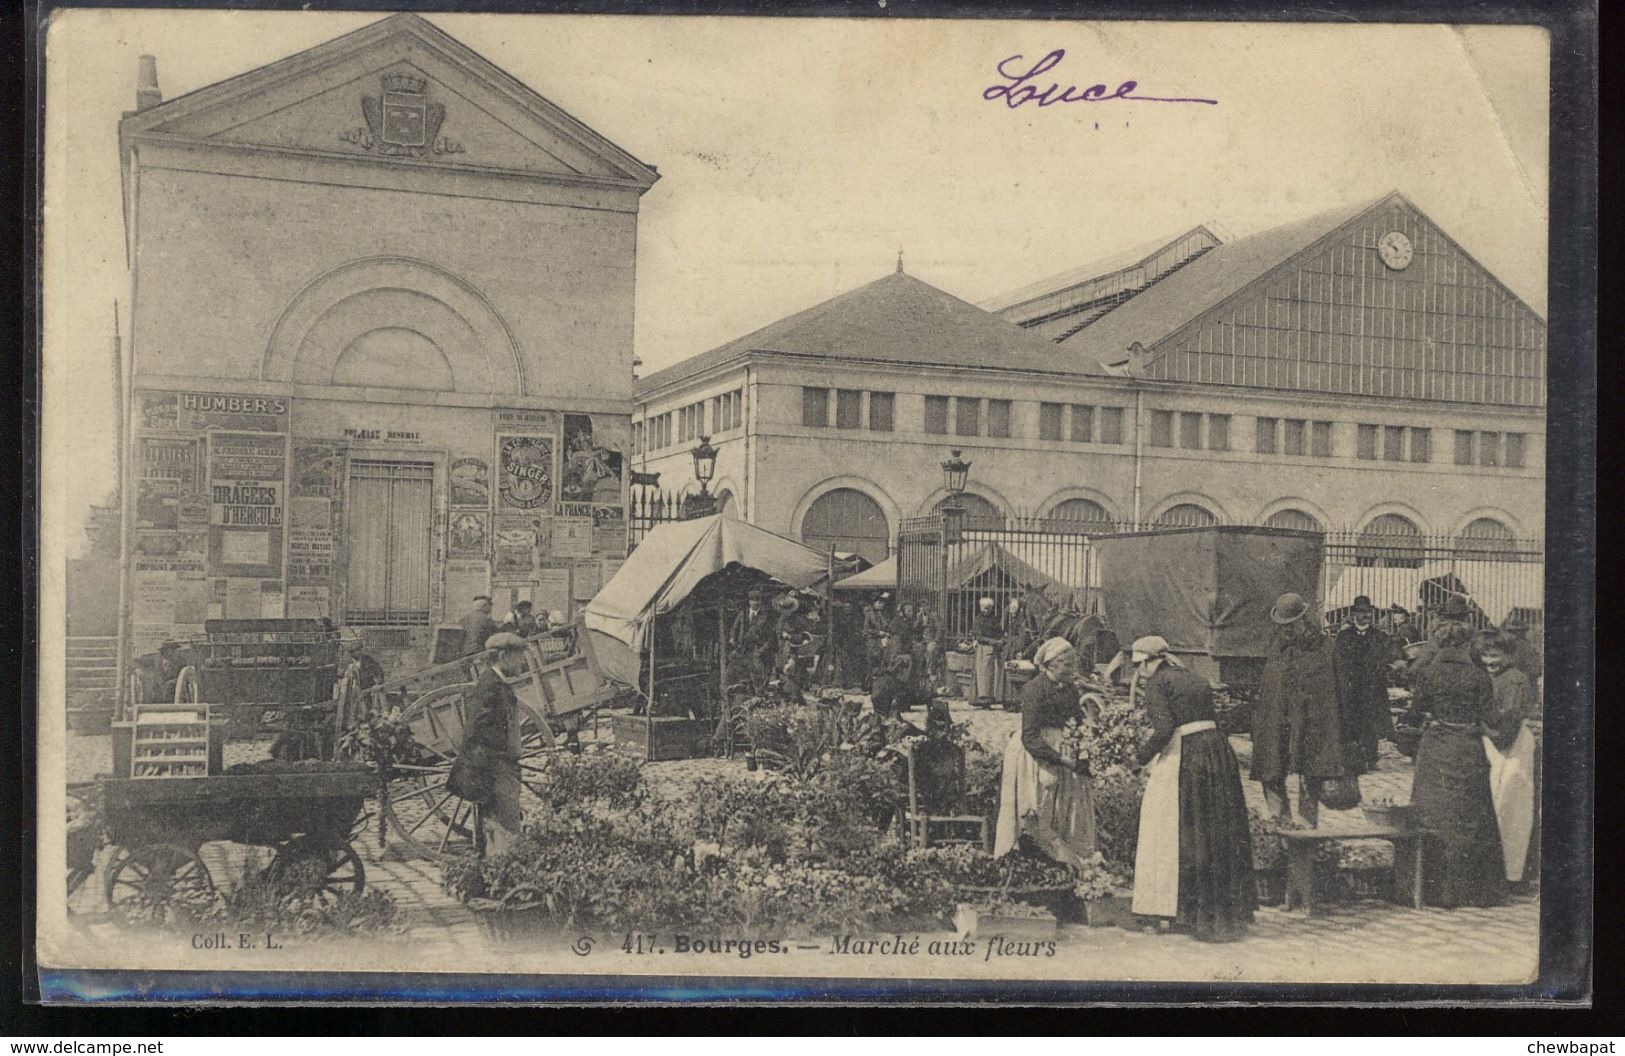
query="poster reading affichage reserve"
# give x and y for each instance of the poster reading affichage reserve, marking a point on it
(956, 504)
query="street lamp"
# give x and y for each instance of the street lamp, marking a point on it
(704, 503)
(954, 473)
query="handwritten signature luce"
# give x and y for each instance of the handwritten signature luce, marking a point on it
(1022, 88)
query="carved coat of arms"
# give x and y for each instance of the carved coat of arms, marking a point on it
(401, 121)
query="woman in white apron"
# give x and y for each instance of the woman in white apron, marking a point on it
(1045, 797)
(1193, 864)
(1509, 745)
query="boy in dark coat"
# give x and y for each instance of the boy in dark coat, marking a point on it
(1297, 723)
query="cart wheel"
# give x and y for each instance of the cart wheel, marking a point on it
(426, 816)
(158, 883)
(186, 689)
(319, 871)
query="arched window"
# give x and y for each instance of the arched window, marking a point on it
(979, 512)
(1297, 519)
(1187, 515)
(851, 521)
(1390, 541)
(1088, 516)
(726, 504)
(1486, 535)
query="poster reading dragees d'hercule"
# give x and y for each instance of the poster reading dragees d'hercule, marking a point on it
(979, 507)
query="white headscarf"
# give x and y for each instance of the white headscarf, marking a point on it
(1050, 650)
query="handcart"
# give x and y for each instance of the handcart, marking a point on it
(559, 692)
(157, 826)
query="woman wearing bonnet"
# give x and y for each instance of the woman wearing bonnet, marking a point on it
(1193, 863)
(1044, 797)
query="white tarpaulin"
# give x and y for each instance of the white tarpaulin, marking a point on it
(1496, 587)
(881, 577)
(665, 568)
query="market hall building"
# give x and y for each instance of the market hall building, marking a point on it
(1356, 370)
(381, 343)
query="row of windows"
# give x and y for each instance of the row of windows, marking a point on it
(1089, 424)
(1489, 449)
(727, 412)
(967, 416)
(1185, 429)
(1293, 436)
(849, 409)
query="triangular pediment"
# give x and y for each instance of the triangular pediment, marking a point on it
(400, 88)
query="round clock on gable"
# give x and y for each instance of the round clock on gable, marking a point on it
(1395, 250)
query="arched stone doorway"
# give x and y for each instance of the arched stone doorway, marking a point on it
(850, 521)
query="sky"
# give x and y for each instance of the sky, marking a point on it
(797, 157)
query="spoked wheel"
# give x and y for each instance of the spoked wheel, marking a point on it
(425, 815)
(186, 686)
(158, 884)
(315, 870)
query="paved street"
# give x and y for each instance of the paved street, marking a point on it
(1365, 941)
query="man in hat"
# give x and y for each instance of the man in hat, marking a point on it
(478, 625)
(492, 746)
(369, 672)
(1525, 656)
(755, 638)
(1297, 722)
(1363, 653)
(521, 620)
(1401, 627)
(876, 622)
(1451, 615)
(988, 631)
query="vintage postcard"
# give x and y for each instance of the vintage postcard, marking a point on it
(661, 499)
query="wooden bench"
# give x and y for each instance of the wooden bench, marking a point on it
(1301, 845)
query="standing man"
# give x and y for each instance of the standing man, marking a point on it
(755, 639)
(1297, 724)
(876, 621)
(522, 621)
(478, 625)
(1363, 654)
(1404, 632)
(1525, 656)
(989, 635)
(489, 774)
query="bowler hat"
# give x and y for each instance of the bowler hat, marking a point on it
(1363, 604)
(786, 603)
(1454, 608)
(1289, 608)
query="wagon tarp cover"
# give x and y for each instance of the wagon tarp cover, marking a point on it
(666, 567)
(1206, 590)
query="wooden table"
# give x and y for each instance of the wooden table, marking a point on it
(1301, 845)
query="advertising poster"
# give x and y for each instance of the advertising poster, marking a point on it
(157, 503)
(572, 537)
(154, 596)
(242, 599)
(310, 556)
(310, 513)
(609, 530)
(465, 581)
(524, 472)
(471, 483)
(514, 552)
(551, 591)
(272, 605)
(172, 458)
(200, 411)
(193, 594)
(159, 411)
(522, 421)
(584, 580)
(592, 471)
(316, 470)
(246, 498)
(470, 534)
(309, 603)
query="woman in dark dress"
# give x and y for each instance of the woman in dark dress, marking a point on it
(1462, 861)
(1194, 860)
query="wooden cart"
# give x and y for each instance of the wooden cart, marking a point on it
(157, 827)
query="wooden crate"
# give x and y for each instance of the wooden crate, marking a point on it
(674, 738)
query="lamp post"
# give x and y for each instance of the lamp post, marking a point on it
(954, 473)
(702, 504)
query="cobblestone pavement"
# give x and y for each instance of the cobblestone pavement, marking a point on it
(1365, 941)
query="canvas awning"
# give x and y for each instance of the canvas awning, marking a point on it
(666, 567)
(881, 577)
(1496, 587)
(993, 556)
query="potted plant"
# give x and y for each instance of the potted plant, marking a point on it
(1100, 888)
(1005, 918)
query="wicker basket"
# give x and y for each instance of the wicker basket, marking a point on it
(1370, 883)
(520, 916)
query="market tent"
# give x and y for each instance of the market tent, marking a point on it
(993, 558)
(1384, 586)
(666, 567)
(1495, 587)
(881, 577)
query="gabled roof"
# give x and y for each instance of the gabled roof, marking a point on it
(1207, 282)
(228, 111)
(1098, 269)
(896, 319)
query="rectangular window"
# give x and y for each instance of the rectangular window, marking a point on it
(1421, 445)
(1218, 432)
(936, 414)
(1464, 447)
(1264, 440)
(1489, 449)
(390, 513)
(1366, 446)
(967, 416)
(1190, 430)
(1294, 436)
(1322, 440)
(1049, 421)
(1162, 428)
(848, 409)
(998, 417)
(814, 407)
(1111, 425)
(1393, 443)
(1513, 455)
(881, 407)
(1083, 423)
